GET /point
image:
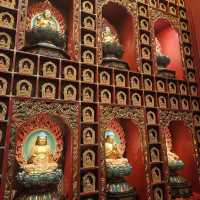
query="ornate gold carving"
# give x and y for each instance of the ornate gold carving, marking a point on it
(149, 101)
(185, 104)
(156, 175)
(191, 77)
(172, 87)
(146, 53)
(3, 86)
(89, 23)
(48, 91)
(6, 20)
(88, 76)
(155, 154)
(5, 40)
(144, 38)
(136, 99)
(88, 114)
(105, 96)
(195, 105)
(88, 136)
(193, 90)
(183, 89)
(8, 3)
(88, 158)
(148, 84)
(24, 88)
(26, 66)
(88, 57)
(121, 98)
(104, 78)
(89, 40)
(88, 94)
(70, 73)
(3, 111)
(151, 117)
(153, 136)
(174, 103)
(135, 82)
(120, 80)
(160, 86)
(89, 182)
(144, 24)
(158, 194)
(49, 69)
(70, 93)
(4, 62)
(162, 102)
(88, 7)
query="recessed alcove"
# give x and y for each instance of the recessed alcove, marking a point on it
(119, 17)
(183, 146)
(169, 41)
(133, 152)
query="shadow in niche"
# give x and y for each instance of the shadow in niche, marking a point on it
(135, 155)
(183, 146)
(122, 21)
(170, 45)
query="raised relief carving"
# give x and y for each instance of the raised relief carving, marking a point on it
(136, 99)
(163, 7)
(8, 3)
(135, 82)
(151, 117)
(173, 103)
(142, 11)
(158, 194)
(184, 26)
(104, 78)
(105, 96)
(88, 114)
(120, 80)
(186, 38)
(189, 63)
(185, 104)
(88, 76)
(4, 62)
(146, 54)
(48, 91)
(5, 40)
(172, 10)
(172, 88)
(149, 100)
(195, 105)
(3, 111)
(89, 40)
(3, 86)
(88, 136)
(162, 102)
(121, 98)
(88, 57)
(89, 23)
(88, 158)
(88, 94)
(24, 88)
(89, 181)
(196, 120)
(6, 20)
(70, 73)
(193, 90)
(156, 175)
(191, 77)
(146, 68)
(70, 93)
(49, 69)
(88, 7)
(26, 66)
(144, 24)
(183, 89)
(182, 14)
(153, 136)
(187, 50)
(160, 86)
(148, 84)
(155, 154)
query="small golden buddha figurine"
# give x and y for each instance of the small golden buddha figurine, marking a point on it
(2, 62)
(112, 150)
(109, 36)
(41, 157)
(3, 41)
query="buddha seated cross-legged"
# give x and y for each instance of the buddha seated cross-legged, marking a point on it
(41, 158)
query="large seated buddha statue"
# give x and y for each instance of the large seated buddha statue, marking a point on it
(117, 167)
(41, 157)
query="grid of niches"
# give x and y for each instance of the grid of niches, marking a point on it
(170, 7)
(8, 24)
(89, 144)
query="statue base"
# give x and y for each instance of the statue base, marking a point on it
(166, 73)
(180, 188)
(114, 63)
(46, 49)
(131, 195)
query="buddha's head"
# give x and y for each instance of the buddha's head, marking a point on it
(47, 14)
(41, 139)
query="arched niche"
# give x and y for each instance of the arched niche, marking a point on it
(63, 12)
(183, 146)
(133, 152)
(119, 18)
(169, 41)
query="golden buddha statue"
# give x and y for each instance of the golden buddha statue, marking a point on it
(108, 36)
(41, 157)
(46, 20)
